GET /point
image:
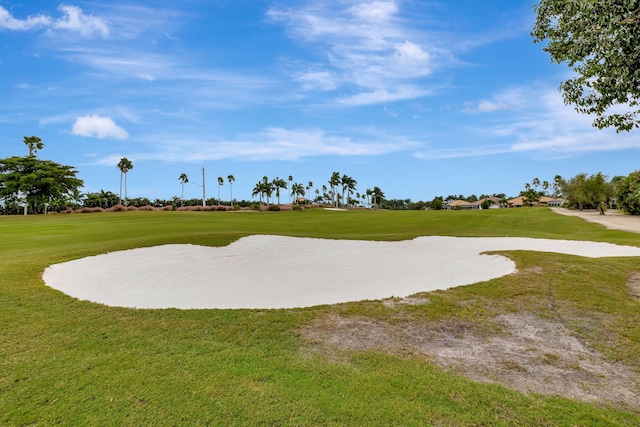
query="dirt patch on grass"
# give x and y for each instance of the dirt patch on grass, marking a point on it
(633, 284)
(523, 352)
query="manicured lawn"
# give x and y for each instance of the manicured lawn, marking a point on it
(70, 362)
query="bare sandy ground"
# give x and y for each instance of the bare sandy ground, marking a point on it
(264, 271)
(613, 219)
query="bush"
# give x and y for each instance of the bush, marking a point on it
(628, 194)
(273, 208)
(118, 208)
(254, 207)
(90, 210)
(168, 208)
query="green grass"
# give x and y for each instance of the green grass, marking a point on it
(70, 362)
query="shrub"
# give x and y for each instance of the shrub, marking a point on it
(273, 208)
(628, 194)
(132, 208)
(168, 208)
(118, 208)
(254, 207)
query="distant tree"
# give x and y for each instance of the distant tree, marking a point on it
(220, 184)
(369, 193)
(334, 182)
(277, 184)
(436, 204)
(34, 143)
(183, 178)
(309, 187)
(37, 182)
(378, 197)
(598, 191)
(531, 195)
(231, 179)
(573, 190)
(627, 192)
(258, 190)
(124, 165)
(599, 40)
(298, 190)
(290, 179)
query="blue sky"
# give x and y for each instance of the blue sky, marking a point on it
(421, 98)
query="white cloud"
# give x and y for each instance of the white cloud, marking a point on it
(381, 96)
(73, 20)
(367, 46)
(10, 23)
(98, 127)
(269, 144)
(511, 99)
(535, 120)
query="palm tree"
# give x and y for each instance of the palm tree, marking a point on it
(351, 186)
(333, 183)
(34, 143)
(258, 190)
(309, 186)
(344, 181)
(125, 166)
(231, 178)
(369, 193)
(378, 195)
(267, 188)
(183, 178)
(297, 189)
(277, 184)
(220, 184)
(290, 180)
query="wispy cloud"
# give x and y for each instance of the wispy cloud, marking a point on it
(511, 99)
(536, 120)
(73, 20)
(366, 45)
(268, 144)
(98, 127)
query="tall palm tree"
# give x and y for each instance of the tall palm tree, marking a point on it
(378, 195)
(231, 178)
(351, 186)
(344, 181)
(183, 178)
(125, 166)
(34, 143)
(220, 184)
(368, 193)
(298, 190)
(258, 190)
(309, 186)
(290, 181)
(333, 183)
(267, 188)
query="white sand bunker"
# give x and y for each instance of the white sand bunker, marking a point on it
(286, 272)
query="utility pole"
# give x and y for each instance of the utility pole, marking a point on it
(203, 196)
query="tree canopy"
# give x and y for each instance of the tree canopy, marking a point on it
(600, 41)
(39, 182)
(628, 193)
